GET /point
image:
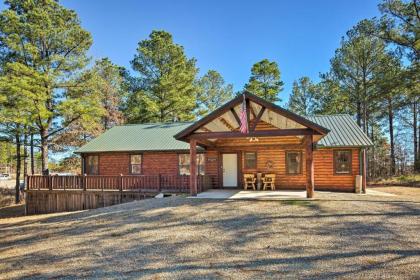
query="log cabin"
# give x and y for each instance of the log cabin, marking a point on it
(326, 152)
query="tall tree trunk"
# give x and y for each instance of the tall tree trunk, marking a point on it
(25, 154)
(372, 161)
(391, 136)
(415, 139)
(359, 113)
(17, 183)
(365, 119)
(44, 151)
(364, 100)
(32, 154)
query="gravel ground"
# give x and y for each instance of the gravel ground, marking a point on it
(343, 236)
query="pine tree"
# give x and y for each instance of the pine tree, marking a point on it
(47, 44)
(167, 91)
(400, 26)
(302, 99)
(265, 80)
(353, 66)
(389, 81)
(212, 92)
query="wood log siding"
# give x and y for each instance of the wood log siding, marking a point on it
(324, 177)
(324, 171)
(166, 164)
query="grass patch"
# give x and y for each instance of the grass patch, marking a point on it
(405, 180)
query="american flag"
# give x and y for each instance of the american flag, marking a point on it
(244, 119)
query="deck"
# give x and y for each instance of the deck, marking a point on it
(50, 194)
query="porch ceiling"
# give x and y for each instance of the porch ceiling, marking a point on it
(227, 121)
(265, 119)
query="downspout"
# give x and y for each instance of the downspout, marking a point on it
(363, 168)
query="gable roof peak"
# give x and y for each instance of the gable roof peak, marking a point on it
(258, 100)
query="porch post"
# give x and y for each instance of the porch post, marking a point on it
(309, 166)
(193, 167)
(364, 169)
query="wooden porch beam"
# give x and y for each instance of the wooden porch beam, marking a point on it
(258, 147)
(252, 111)
(206, 143)
(258, 133)
(309, 166)
(193, 167)
(257, 118)
(206, 129)
(227, 124)
(238, 120)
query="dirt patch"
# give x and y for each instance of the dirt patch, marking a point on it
(7, 197)
(8, 208)
(11, 211)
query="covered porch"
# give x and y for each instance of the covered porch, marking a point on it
(274, 136)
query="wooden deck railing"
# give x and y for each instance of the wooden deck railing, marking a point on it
(152, 183)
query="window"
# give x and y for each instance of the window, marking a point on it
(92, 165)
(342, 162)
(184, 164)
(135, 164)
(294, 162)
(250, 160)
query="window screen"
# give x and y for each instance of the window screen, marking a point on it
(342, 162)
(184, 164)
(250, 160)
(92, 165)
(135, 164)
(294, 162)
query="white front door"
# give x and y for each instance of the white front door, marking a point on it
(230, 170)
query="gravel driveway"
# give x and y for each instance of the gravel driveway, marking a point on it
(349, 236)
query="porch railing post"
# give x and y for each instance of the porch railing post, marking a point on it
(309, 166)
(121, 187)
(84, 182)
(193, 167)
(50, 182)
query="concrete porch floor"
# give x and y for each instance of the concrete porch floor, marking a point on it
(282, 194)
(257, 195)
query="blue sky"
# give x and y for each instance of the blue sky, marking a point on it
(228, 36)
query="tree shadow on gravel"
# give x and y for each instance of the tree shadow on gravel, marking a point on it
(198, 238)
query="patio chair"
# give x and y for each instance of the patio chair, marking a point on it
(249, 181)
(268, 182)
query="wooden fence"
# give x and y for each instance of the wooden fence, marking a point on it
(49, 194)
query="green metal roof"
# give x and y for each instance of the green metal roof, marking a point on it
(138, 137)
(344, 132)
